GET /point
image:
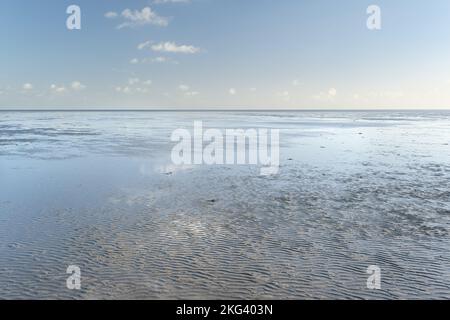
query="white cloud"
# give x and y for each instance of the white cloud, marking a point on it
(186, 90)
(172, 47)
(296, 83)
(144, 45)
(232, 91)
(130, 90)
(55, 89)
(28, 86)
(77, 86)
(141, 90)
(133, 81)
(134, 85)
(126, 90)
(74, 87)
(285, 95)
(326, 96)
(136, 18)
(183, 87)
(111, 15)
(159, 59)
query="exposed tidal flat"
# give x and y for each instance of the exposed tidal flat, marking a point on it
(99, 190)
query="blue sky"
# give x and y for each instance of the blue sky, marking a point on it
(225, 53)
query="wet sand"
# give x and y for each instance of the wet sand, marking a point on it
(99, 190)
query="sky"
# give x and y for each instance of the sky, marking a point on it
(277, 54)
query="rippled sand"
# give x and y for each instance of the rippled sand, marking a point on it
(98, 190)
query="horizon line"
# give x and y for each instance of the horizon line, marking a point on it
(149, 109)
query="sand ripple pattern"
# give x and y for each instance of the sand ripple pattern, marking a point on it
(139, 232)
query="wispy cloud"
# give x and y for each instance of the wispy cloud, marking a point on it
(144, 45)
(137, 18)
(172, 47)
(187, 90)
(328, 96)
(134, 85)
(332, 92)
(111, 15)
(77, 86)
(159, 59)
(56, 89)
(183, 87)
(296, 83)
(133, 81)
(285, 95)
(27, 86)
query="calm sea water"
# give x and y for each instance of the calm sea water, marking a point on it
(99, 190)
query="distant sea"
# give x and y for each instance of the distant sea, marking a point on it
(99, 190)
